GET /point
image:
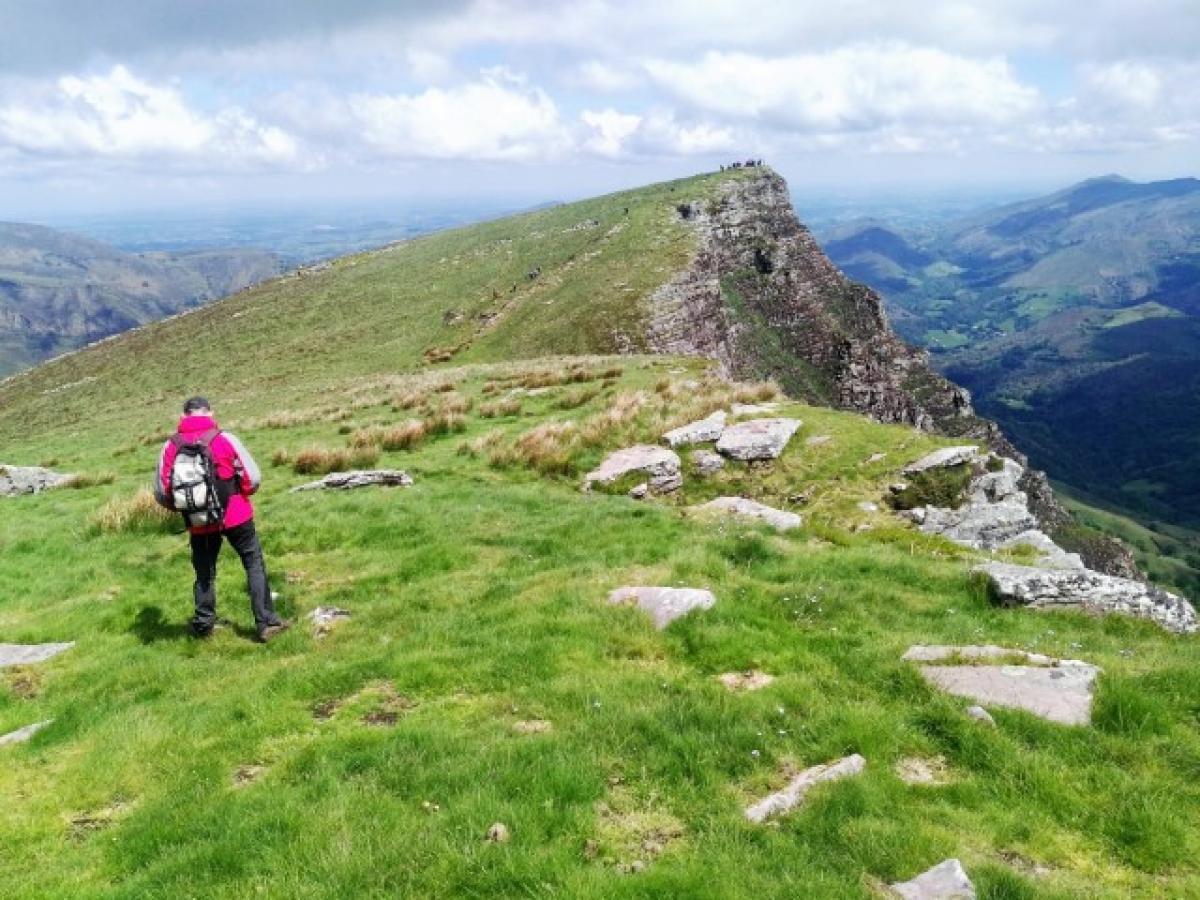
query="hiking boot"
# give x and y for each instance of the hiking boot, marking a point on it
(200, 632)
(268, 632)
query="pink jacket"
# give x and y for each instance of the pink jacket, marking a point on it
(231, 458)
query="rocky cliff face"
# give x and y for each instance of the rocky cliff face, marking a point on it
(763, 299)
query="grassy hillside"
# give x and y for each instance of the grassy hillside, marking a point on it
(371, 762)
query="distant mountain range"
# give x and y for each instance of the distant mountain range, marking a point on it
(1075, 321)
(59, 291)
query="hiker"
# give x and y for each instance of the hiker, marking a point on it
(208, 475)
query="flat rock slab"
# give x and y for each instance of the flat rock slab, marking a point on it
(1060, 694)
(945, 881)
(940, 652)
(707, 429)
(358, 478)
(663, 604)
(1092, 592)
(742, 508)
(1052, 555)
(27, 654)
(17, 480)
(21, 735)
(706, 462)
(793, 795)
(942, 459)
(660, 464)
(757, 438)
(325, 618)
(752, 680)
(982, 525)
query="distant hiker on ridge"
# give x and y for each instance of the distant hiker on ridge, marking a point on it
(208, 475)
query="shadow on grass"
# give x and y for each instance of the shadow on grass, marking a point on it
(150, 627)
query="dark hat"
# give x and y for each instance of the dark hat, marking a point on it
(195, 403)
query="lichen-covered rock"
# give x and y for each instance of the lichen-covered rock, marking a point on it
(757, 438)
(778, 519)
(660, 464)
(793, 795)
(945, 881)
(27, 654)
(18, 480)
(1083, 589)
(358, 478)
(703, 431)
(1061, 693)
(983, 526)
(663, 604)
(943, 458)
(706, 462)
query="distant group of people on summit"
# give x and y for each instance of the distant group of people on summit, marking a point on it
(743, 164)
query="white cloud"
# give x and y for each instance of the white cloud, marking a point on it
(121, 117)
(498, 117)
(858, 88)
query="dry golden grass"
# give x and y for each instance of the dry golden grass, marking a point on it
(500, 408)
(455, 403)
(137, 513)
(757, 393)
(548, 448)
(443, 422)
(577, 398)
(319, 461)
(404, 436)
(482, 445)
(281, 458)
(87, 481)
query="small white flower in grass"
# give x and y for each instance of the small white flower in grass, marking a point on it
(754, 753)
(780, 710)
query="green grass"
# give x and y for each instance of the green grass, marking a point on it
(478, 602)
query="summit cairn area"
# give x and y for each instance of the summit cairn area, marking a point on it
(991, 512)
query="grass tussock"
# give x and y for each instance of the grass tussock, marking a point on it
(138, 513)
(549, 448)
(483, 445)
(445, 422)
(455, 403)
(761, 392)
(320, 461)
(577, 398)
(281, 457)
(405, 436)
(87, 481)
(499, 409)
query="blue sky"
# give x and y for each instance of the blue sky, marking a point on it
(168, 104)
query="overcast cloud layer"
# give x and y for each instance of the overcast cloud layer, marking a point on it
(131, 96)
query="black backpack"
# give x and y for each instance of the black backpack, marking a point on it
(195, 489)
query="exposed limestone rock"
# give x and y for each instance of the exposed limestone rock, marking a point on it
(945, 881)
(703, 431)
(793, 795)
(344, 481)
(778, 519)
(981, 715)
(326, 618)
(922, 772)
(757, 438)
(661, 464)
(21, 735)
(751, 680)
(27, 654)
(942, 652)
(16, 480)
(943, 458)
(1043, 588)
(1061, 693)
(1052, 555)
(639, 491)
(663, 604)
(707, 462)
(750, 241)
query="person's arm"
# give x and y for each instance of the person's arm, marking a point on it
(251, 476)
(162, 476)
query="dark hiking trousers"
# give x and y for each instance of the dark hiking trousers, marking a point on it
(205, 549)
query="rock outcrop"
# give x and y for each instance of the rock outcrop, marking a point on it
(703, 431)
(1092, 592)
(757, 439)
(779, 519)
(662, 466)
(995, 515)
(18, 480)
(358, 478)
(945, 881)
(793, 795)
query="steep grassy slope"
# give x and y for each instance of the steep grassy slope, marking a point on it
(371, 763)
(58, 291)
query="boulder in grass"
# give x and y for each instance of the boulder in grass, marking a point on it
(1061, 694)
(779, 519)
(944, 458)
(706, 462)
(358, 478)
(18, 480)
(793, 795)
(662, 466)
(21, 735)
(945, 881)
(663, 604)
(703, 431)
(27, 654)
(757, 439)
